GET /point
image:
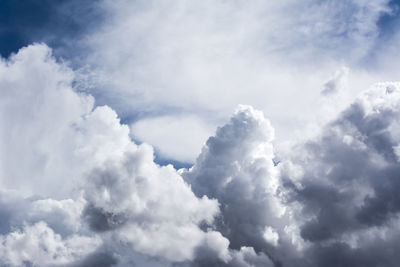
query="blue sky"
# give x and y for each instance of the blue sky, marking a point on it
(53, 22)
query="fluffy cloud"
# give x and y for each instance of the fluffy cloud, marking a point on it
(331, 201)
(37, 110)
(147, 206)
(38, 245)
(76, 191)
(149, 60)
(236, 168)
(78, 174)
(345, 181)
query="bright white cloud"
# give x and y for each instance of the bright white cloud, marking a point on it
(148, 207)
(68, 165)
(204, 58)
(39, 245)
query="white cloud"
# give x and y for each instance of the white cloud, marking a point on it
(38, 110)
(76, 191)
(56, 147)
(39, 245)
(205, 58)
(271, 235)
(176, 137)
(148, 207)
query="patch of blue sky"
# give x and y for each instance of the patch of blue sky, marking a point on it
(388, 22)
(55, 23)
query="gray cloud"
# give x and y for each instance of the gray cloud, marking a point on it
(76, 191)
(236, 167)
(348, 183)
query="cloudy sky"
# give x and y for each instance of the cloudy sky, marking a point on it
(200, 133)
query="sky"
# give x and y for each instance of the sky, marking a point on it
(199, 133)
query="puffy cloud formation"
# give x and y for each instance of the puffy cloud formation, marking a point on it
(72, 174)
(155, 62)
(236, 168)
(148, 207)
(77, 191)
(345, 184)
(38, 245)
(329, 202)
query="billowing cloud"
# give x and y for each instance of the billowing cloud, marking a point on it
(236, 167)
(177, 59)
(331, 201)
(38, 245)
(344, 182)
(149, 207)
(77, 191)
(79, 176)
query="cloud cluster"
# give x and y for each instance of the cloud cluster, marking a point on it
(154, 61)
(70, 173)
(345, 183)
(77, 191)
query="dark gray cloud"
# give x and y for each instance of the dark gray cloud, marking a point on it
(347, 190)
(98, 259)
(100, 221)
(338, 190)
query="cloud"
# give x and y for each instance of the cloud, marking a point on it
(236, 167)
(38, 108)
(148, 207)
(38, 245)
(77, 191)
(334, 85)
(346, 185)
(176, 137)
(327, 203)
(182, 59)
(75, 174)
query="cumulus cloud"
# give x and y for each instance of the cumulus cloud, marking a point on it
(148, 207)
(176, 59)
(79, 176)
(38, 245)
(329, 202)
(77, 191)
(345, 183)
(236, 168)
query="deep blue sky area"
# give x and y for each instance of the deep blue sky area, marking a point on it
(54, 22)
(388, 22)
